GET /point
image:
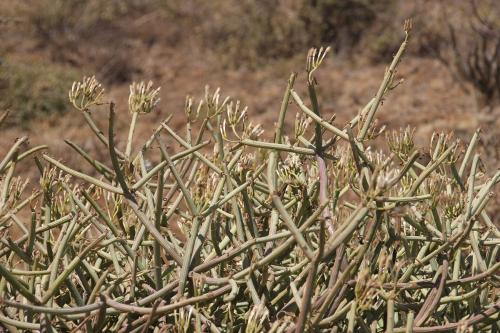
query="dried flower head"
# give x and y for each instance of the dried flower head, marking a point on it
(235, 114)
(245, 163)
(345, 169)
(440, 142)
(86, 93)
(314, 59)
(212, 102)
(143, 98)
(377, 157)
(453, 203)
(385, 178)
(366, 290)
(192, 114)
(16, 188)
(401, 142)
(252, 131)
(204, 185)
(405, 183)
(301, 124)
(385, 264)
(291, 171)
(434, 185)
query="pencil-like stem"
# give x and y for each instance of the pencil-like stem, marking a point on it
(130, 137)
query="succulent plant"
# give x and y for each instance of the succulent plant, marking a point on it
(233, 233)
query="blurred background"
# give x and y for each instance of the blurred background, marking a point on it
(248, 48)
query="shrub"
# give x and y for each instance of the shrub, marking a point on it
(254, 32)
(242, 33)
(63, 21)
(342, 22)
(66, 30)
(233, 233)
(469, 45)
(32, 91)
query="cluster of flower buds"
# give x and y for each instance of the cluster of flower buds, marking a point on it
(385, 178)
(434, 185)
(212, 102)
(86, 93)
(245, 163)
(440, 142)
(237, 121)
(344, 171)
(252, 131)
(192, 114)
(401, 142)
(301, 124)
(16, 188)
(314, 59)
(292, 172)
(367, 290)
(143, 98)
(235, 116)
(453, 204)
(377, 157)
